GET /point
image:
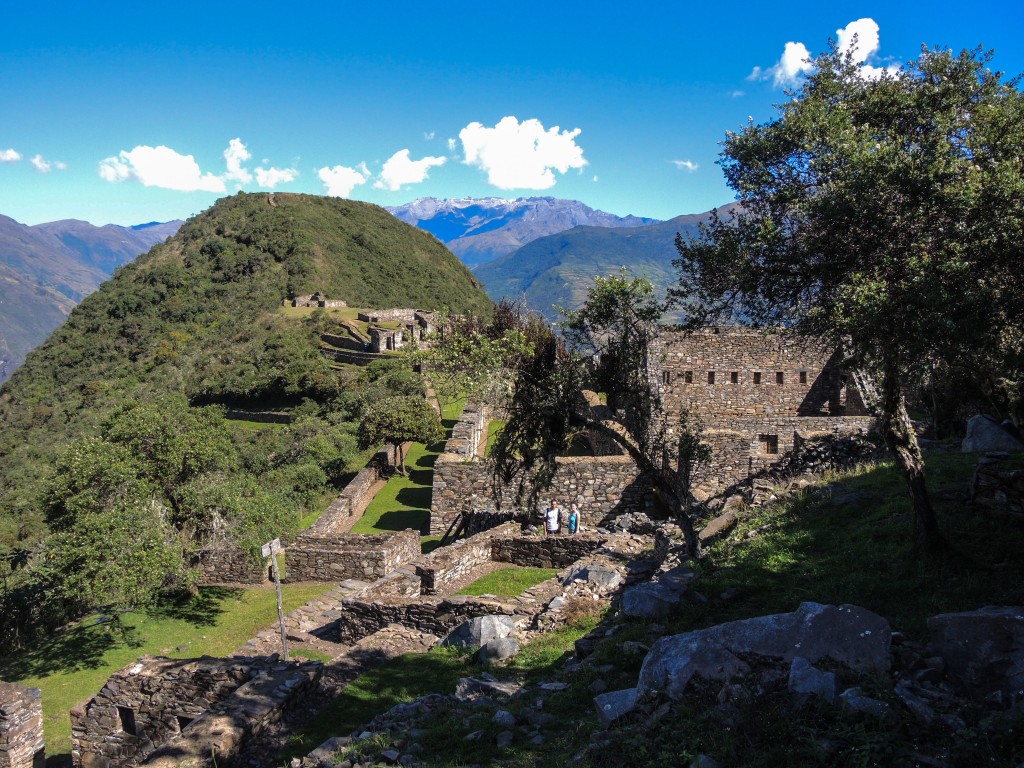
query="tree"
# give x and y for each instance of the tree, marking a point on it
(608, 344)
(397, 420)
(884, 216)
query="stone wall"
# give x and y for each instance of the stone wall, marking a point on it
(600, 485)
(343, 342)
(387, 315)
(735, 372)
(447, 565)
(350, 502)
(147, 703)
(544, 552)
(170, 712)
(360, 617)
(998, 486)
(225, 563)
(352, 556)
(21, 727)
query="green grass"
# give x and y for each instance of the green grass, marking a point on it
(404, 502)
(74, 664)
(508, 582)
(403, 679)
(494, 427)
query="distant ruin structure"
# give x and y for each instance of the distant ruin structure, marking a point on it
(317, 300)
(412, 326)
(21, 727)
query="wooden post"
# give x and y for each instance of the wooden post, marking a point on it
(271, 549)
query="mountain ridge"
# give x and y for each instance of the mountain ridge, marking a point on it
(478, 230)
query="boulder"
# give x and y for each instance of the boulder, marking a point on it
(854, 700)
(471, 687)
(480, 631)
(719, 526)
(851, 636)
(806, 678)
(611, 706)
(985, 434)
(677, 579)
(983, 650)
(649, 601)
(604, 577)
(499, 649)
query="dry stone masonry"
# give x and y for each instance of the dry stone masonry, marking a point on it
(21, 727)
(352, 556)
(160, 711)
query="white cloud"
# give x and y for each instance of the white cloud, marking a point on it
(787, 71)
(429, 135)
(451, 145)
(9, 156)
(271, 177)
(45, 166)
(160, 167)
(400, 169)
(339, 181)
(234, 156)
(737, 94)
(521, 155)
(859, 38)
(686, 165)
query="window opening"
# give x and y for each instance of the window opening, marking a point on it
(803, 377)
(688, 377)
(778, 377)
(757, 377)
(126, 719)
(769, 443)
(666, 377)
(734, 377)
(711, 377)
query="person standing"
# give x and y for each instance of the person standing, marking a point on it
(553, 519)
(574, 519)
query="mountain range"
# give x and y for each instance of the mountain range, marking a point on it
(479, 230)
(558, 269)
(45, 270)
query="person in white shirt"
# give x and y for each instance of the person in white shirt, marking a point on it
(553, 519)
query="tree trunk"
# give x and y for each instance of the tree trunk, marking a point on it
(901, 440)
(401, 460)
(658, 479)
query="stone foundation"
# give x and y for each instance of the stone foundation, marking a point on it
(546, 552)
(351, 556)
(998, 486)
(202, 706)
(21, 727)
(225, 563)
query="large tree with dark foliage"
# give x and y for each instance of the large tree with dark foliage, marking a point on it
(882, 215)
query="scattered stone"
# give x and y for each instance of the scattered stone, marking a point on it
(720, 525)
(604, 577)
(849, 635)
(612, 706)
(985, 434)
(983, 650)
(504, 739)
(390, 756)
(804, 678)
(554, 686)
(480, 631)
(853, 699)
(918, 707)
(474, 736)
(499, 649)
(649, 601)
(470, 687)
(557, 604)
(598, 686)
(537, 740)
(504, 718)
(677, 579)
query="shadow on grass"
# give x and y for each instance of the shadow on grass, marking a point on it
(400, 519)
(850, 541)
(200, 610)
(72, 649)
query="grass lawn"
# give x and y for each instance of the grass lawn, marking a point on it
(508, 582)
(494, 426)
(404, 502)
(74, 664)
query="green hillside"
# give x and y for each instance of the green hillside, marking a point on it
(558, 270)
(101, 424)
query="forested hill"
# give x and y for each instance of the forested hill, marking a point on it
(559, 269)
(200, 315)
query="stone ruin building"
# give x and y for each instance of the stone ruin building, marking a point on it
(21, 727)
(757, 395)
(316, 300)
(414, 325)
(171, 712)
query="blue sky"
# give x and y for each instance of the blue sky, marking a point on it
(129, 113)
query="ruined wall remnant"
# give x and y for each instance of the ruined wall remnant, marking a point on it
(546, 552)
(21, 727)
(352, 556)
(352, 501)
(160, 711)
(224, 562)
(998, 486)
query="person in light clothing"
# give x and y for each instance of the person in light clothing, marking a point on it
(553, 519)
